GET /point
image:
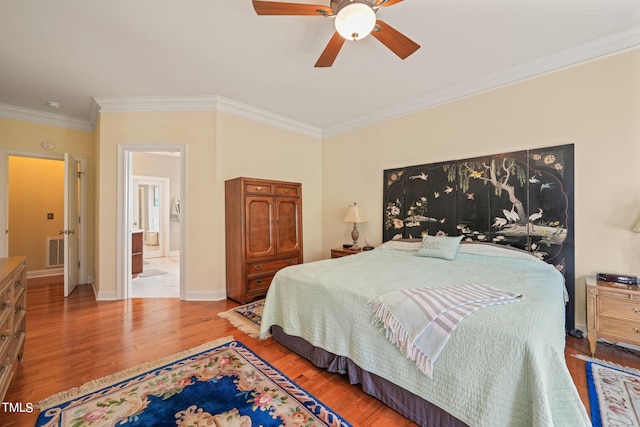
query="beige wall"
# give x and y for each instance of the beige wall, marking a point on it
(595, 106)
(36, 188)
(24, 138)
(218, 147)
(255, 150)
(195, 130)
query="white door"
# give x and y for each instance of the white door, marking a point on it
(71, 226)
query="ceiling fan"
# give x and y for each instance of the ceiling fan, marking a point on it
(354, 20)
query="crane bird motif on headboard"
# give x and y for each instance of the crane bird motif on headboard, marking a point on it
(522, 199)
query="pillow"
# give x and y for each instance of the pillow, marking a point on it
(440, 247)
(402, 244)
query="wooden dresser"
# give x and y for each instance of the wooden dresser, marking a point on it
(263, 220)
(613, 313)
(13, 297)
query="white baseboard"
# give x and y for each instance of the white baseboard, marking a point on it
(104, 296)
(45, 273)
(174, 254)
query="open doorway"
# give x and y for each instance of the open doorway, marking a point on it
(36, 209)
(37, 219)
(153, 205)
(150, 220)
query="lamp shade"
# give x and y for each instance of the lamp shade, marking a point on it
(355, 20)
(355, 215)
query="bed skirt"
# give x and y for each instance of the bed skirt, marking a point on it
(402, 401)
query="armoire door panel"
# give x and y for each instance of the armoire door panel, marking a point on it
(288, 230)
(259, 226)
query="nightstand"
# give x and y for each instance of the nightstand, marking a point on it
(613, 312)
(340, 252)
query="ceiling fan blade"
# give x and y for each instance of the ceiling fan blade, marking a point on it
(399, 44)
(388, 2)
(279, 8)
(330, 52)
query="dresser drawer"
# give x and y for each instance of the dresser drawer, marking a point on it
(17, 344)
(619, 308)
(628, 331)
(6, 335)
(258, 188)
(6, 371)
(20, 304)
(271, 265)
(19, 285)
(284, 190)
(6, 301)
(259, 284)
(620, 292)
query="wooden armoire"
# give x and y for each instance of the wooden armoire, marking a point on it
(263, 220)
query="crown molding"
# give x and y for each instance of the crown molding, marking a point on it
(137, 104)
(608, 45)
(235, 108)
(200, 103)
(44, 118)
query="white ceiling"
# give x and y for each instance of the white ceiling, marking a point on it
(71, 51)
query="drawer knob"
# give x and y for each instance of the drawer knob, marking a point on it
(17, 283)
(258, 267)
(286, 190)
(18, 308)
(258, 188)
(258, 282)
(290, 261)
(4, 337)
(636, 330)
(636, 310)
(6, 304)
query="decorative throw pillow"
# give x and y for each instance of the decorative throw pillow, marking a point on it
(439, 247)
(403, 244)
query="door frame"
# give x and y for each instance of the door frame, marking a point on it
(125, 211)
(4, 201)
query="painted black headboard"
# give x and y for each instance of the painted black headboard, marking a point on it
(522, 199)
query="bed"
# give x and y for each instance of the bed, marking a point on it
(502, 366)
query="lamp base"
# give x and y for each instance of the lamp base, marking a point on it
(354, 236)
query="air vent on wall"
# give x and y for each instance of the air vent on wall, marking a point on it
(55, 251)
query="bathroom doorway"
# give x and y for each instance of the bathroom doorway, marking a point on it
(151, 221)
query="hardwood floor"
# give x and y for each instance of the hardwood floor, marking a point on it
(74, 340)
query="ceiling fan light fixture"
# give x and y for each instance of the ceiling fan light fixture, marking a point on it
(355, 20)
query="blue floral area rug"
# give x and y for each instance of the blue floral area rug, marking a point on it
(222, 383)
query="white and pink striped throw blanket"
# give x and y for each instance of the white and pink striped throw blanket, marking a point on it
(420, 321)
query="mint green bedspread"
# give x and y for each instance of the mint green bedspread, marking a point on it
(503, 366)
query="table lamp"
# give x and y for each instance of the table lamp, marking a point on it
(356, 216)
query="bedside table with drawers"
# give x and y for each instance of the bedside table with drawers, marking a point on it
(340, 252)
(613, 312)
